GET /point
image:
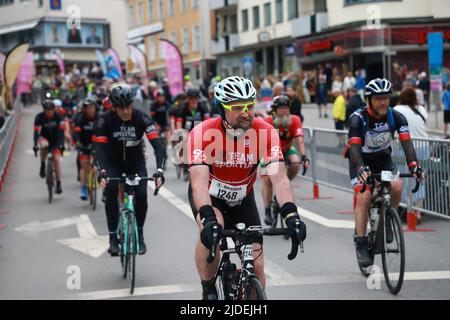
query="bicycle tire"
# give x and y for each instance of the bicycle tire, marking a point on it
(256, 285)
(50, 181)
(132, 248)
(94, 192)
(122, 243)
(394, 286)
(221, 294)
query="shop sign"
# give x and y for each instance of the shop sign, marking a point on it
(264, 36)
(319, 45)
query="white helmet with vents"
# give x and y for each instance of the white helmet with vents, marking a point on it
(234, 89)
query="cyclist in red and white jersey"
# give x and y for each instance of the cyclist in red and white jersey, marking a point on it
(224, 153)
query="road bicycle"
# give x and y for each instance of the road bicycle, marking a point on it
(127, 230)
(242, 284)
(385, 233)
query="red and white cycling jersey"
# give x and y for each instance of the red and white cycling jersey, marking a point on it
(287, 135)
(233, 162)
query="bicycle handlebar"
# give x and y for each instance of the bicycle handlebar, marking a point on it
(262, 232)
(133, 178)
(378, 176)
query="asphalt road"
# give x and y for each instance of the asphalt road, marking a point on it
(45, 247)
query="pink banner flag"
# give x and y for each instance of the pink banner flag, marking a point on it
(24, 82)
(2, 63)
(60, 62)
(174, 65)
(139, 58)
(116, 59)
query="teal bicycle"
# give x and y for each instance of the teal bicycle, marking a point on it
(127, 230)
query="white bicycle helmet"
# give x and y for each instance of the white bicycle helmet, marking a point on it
(233, 89)
(378, 87)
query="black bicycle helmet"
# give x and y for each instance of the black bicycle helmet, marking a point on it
(121, 95)
(193, 92)
(281, 101)
(48, 104)
(180, 96)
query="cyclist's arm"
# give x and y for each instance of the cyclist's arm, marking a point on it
(199, 177)
(298, 134)
(101, 142)
(153, 137)
(76, 132)
(61, 128)
(37, 130)
(355, 140)
(405, 138)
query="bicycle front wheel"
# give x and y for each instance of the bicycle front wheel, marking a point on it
(50, 180)
(254, 290)
(93, 191)
(132, 249)
(393, 255)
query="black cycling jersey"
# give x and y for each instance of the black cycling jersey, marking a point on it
(370, 138)
(120, 143)
(189, 119)
(159, 112)
(84, 129)
(50, 128)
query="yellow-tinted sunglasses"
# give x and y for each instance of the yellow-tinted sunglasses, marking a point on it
(242, 107)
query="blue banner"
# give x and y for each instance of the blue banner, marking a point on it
(435, 49)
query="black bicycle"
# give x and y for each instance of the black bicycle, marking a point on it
(50, 173)
(242, 284)
(127, 230)
(385, 233)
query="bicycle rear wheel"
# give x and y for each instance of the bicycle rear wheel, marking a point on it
(122, 243)
(254, 286)
(393, 255)
(93, 190)
(132, 249)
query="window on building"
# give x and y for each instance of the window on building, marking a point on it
(185, 43)
(267, 15)
(234, 23)
(150, 10)
(171, 7)
(6, 2)
(130, 15)
(139, 13)
(152, 49)
(184, 5)
(173, 37)
(320, 5)
(196, 39)
(292, 9)
(41, 3)
(161, 53)
(195, 4)
(279, 11)
(225, 24)
(245, 20)
(350, 2)
(256, 17)
(161, 9)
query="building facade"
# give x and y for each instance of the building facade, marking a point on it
(382, 38)
(256, 38)
(186, 23)
(47, 25)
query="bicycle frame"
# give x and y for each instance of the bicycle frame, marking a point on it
(125, 212)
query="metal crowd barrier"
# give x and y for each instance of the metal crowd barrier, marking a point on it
(329, 167)
(7, 137)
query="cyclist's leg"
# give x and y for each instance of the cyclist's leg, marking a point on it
(111, 205)
(362, 204)
(84, 167)
(294, 166)
(57, 163)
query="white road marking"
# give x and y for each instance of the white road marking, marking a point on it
(329, 223)
(88, 243)
(295, 281)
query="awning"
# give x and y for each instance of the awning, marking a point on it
(19, 27)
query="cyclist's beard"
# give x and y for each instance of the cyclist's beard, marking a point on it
(284, 121)
(239, 129)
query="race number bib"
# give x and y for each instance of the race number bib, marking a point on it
(232, 195)
(379, 140)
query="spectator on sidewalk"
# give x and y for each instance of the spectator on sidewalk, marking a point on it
(337, 84)
(424, 85)
(306, 86)
(296, 104)
(349, 82)
(446, 104)
(360, 83)
(321, 94)
(338, 113)
(354, 103)
(417, 116)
